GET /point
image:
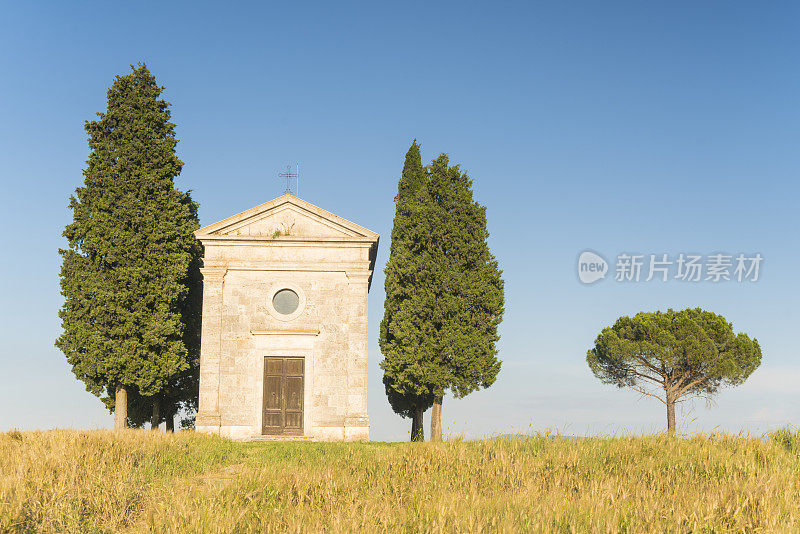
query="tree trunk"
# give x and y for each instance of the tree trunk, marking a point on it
(417, 428)
(436, 420)
(121, 408)
(170, 423)
(155, 420)
(670, 414)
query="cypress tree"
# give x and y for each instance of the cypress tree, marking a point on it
(403, 340)
(467, 289)
(129, 323)
(182, 391)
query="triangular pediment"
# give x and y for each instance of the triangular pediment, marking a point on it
(286, 217)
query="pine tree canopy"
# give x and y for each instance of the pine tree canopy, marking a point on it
(692, 351)
(132, 254)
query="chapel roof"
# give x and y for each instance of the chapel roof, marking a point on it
(287, 218)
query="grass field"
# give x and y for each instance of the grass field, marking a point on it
(135, 481)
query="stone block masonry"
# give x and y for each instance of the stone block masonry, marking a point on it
(285, 282)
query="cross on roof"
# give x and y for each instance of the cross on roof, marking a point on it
(288, 175)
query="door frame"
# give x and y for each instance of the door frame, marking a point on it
(306, 393)
(270, 343)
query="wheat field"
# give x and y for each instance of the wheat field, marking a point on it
(140, 481)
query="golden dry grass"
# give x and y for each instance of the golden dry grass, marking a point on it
(101, 481)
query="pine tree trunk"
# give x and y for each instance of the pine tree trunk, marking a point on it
(436, 420)
(670, 413)
(417, 428)
(121, 408)
(155, 419)
(170, 423)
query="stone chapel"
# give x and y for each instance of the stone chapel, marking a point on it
(284, 333)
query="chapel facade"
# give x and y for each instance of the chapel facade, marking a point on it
(284, 332)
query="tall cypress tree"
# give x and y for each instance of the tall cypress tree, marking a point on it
(403, 341)
(132, 254)
(468, 289)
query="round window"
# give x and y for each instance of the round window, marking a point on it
(285, 301)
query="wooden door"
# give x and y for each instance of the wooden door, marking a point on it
(283, 396)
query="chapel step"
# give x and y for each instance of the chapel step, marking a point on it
(281, 438)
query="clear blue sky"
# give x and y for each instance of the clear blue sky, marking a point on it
(617, 126)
